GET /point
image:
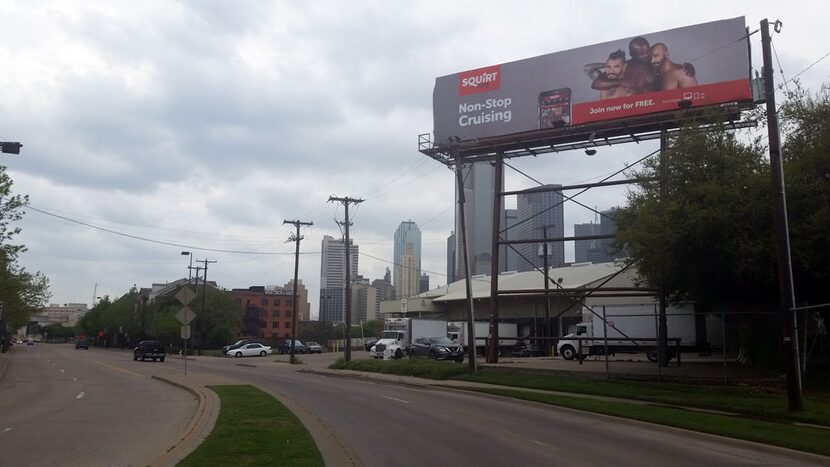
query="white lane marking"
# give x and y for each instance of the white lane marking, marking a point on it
(80, 395)
(74, 379)
(7, 430)
(63, 371)
(393, 399)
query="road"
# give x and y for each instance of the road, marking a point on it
(383, 424)
(398, 425)
(60, 406)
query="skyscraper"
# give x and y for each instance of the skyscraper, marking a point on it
(410, 276)
(407, 241)
(537, 210)
(512, 233)
(451, 258)
(479, 192)
(582, 247)
(333, 277)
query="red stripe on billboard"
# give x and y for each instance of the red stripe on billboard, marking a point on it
(479, 80)
(661, 101)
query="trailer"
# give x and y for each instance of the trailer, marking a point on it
(629, 329)
(457, 332)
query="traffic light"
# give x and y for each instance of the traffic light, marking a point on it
(9, 147)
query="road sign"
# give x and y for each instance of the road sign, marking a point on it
(186, 295)
(185, 315)
(185, 332)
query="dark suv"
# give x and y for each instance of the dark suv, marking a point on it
(299, 347)
(149, 349)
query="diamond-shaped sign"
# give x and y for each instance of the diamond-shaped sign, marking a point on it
(186, 295)
(185, 332)
(185, 315)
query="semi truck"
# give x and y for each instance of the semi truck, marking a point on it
(398, 334)
(630, 329)
(457, 332)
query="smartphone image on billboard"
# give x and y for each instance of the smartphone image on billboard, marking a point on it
(555, 108)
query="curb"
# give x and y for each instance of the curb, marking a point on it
(197, 430)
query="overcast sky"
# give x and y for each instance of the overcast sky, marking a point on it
(158, 126)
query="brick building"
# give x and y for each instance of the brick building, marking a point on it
(264, 312)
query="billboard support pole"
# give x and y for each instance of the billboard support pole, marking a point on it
(493, 341)
(782, 234)
(662, 329)
(471, 328)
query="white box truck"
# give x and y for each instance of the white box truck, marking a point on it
(508, 332)
(398, 334)
(627, 327)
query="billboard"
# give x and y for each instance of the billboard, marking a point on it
(705, 64)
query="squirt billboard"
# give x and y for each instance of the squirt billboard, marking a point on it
(705, 64)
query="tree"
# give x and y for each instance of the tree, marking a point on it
(21, 292)
(806, 154)
(700, 223)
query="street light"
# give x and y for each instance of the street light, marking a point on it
(10, 147)
(190, 267)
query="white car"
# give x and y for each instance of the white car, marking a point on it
(250, 350)
(314, 347)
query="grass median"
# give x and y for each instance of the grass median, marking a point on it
(761, 413)
(253, 428)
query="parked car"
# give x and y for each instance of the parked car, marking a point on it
(250, 350)
(235, 345)
(149, 349)
(437, 348)
(313, 347)
(369, 342)
(526, 349)
(82, 344)
(299, 347)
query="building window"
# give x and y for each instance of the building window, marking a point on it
(264, 325)
(264, 302)
(288, 303)
(287, 325)
(263, 314)
(275, 324)
(276, 313)
(237, 301)
(276, 301)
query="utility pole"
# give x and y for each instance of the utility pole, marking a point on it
(545, 266)
(471, 328)
(347, 352)
(782, 233)
(204, 292)
(492, 353)
(296, 239)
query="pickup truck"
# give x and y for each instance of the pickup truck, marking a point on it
(149, 349)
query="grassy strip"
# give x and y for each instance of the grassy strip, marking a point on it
(761, 403)
(806, 439)
(755, 402)
(421, 368)
(253, 428)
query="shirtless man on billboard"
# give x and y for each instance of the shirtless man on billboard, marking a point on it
(670, 74)
(640, 75)
(615, 70)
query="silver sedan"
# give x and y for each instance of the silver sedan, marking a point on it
(250, 350)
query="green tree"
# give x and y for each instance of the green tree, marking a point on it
(700, 222)
(21, 292)
(806, 153)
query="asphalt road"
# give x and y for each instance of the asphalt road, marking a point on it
(378, 423)
(398, 425)
(60, 406)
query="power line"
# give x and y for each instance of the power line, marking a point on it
(160, 242)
